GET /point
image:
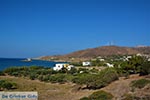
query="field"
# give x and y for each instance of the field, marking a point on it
(68, 91)
(48, 91)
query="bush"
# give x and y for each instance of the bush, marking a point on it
(96, 81)
(99, 95)
(36, 67)
(76, 63)
(15, 74)
(72, 71)
(81, 78)
(58, 78)
(46, 78)
(7, 85)
(145, 68)
(33, 76)
(140, 83)
(2, 73)
(128, 97)
(102, 79)
(132, 66)
(133, 97)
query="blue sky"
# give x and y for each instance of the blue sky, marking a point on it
(32, 28)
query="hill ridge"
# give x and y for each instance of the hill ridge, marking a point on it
(103, 51)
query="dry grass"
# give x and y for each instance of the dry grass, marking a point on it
(68, 91)
(48, 91)
(121, 87)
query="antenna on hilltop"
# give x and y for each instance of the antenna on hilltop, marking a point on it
(111, 43)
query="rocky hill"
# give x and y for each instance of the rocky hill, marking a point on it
(102, 51)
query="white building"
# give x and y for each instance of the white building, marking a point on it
(69, 67)
(101, 59)
(87, 63)
(62, 65)
(109, 65)
(127, 58)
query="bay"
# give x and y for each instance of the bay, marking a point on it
(18, 62)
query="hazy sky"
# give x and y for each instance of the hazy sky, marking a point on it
(32, 28)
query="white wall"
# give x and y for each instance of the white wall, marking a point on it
(86, 63)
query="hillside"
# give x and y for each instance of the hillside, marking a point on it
(103, 51)
(49, 91)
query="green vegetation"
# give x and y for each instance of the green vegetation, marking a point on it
(134, 65)
(7, 85)
(2, 73)
(76, 63)
(125, 65)
(92, 78)
(97, 62)
(96, 81)
(133, 97)
(99, 95)
(140, 83)
(89, 78)
(145, 69)
(129, 97)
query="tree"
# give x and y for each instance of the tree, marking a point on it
(145, 68)
(99, 95)
(133, 65)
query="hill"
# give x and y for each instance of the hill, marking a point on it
(102, 51)
(48, 91)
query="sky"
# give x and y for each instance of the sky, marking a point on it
(33, 28)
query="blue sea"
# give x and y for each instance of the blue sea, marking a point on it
(17, 62)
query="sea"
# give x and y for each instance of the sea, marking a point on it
(18, 62)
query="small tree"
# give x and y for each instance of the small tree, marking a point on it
(99, 95)
(133, 65)
(145, 68)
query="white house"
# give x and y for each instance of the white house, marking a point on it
(69, 67)
(62, 65)
(109, 65)
(127, 58)
(87, 63)
(101, 59)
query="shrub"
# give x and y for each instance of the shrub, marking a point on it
(133, 65)
(96, 81)
(145, 68)
(81, 78)
(10, 70)
(109, 75)
(15, 74)
(58, 78)
(76, 63)
(2, 73)
(46, 78)
(140, 83)
(102, 79)
(99, 95)
(32, 76)
(72, 71)
(128, 97)
(36, 67)
(133, 97)
(7, 85)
